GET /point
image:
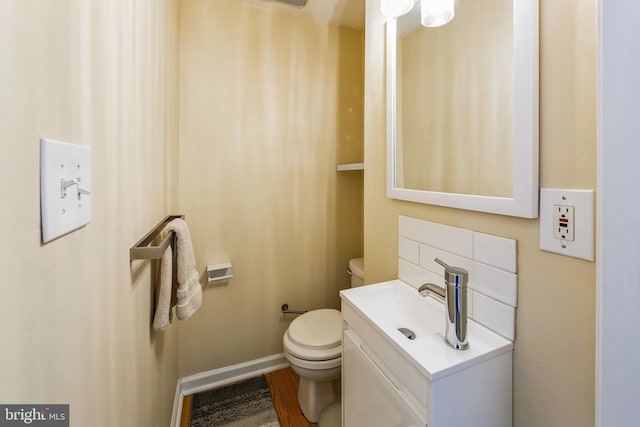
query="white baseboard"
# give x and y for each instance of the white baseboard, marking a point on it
(219, 377)
(177, 405)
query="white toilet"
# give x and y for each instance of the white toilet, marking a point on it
(313, 347)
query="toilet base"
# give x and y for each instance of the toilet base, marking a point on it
(314, 396)
(331, 416)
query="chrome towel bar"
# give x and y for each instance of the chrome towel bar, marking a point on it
(142, 250)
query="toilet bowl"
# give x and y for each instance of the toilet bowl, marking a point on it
(313, 347)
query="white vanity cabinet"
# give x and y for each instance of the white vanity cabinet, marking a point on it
(384, 385)
(370, 396)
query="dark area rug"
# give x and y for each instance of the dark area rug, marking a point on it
(247, 403)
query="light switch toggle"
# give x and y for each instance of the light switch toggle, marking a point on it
(81, 189)
(66, 183)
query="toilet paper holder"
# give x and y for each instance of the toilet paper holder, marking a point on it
(285, 310)
(218, 272)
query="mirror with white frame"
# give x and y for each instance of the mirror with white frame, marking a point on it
(462, 108)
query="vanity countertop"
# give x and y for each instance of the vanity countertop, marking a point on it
(387, 306)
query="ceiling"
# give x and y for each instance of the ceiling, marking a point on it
(348, 13)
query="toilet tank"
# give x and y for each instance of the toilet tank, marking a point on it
(356, 266)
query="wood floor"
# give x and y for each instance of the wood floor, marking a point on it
(283, 385)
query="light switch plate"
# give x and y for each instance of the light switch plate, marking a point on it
(64, 209)
(582, 202)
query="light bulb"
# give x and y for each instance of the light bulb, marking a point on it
(395, 8)
(434, 13)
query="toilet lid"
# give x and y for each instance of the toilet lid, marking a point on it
(317, 329)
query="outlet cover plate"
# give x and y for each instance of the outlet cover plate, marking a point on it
(62, 214)
(584, 222)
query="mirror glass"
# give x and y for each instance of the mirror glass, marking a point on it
(462, 108)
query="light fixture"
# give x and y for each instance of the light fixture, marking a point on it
(434, 13)
(395, 8)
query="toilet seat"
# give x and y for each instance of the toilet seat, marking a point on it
(310, 354)
(317, 329)
(315, 336)
(314, 365)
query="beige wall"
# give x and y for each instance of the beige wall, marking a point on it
(268, 106)
(554, 351)
(75, 318)
(269, 103)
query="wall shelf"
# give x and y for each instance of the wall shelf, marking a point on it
(351, 167)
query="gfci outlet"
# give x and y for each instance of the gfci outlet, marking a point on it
(567, 222)
(563, 222)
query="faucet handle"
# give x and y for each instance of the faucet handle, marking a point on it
(442, 263)
(455, 275)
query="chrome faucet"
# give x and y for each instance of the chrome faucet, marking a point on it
(455, 299)
(432, 288)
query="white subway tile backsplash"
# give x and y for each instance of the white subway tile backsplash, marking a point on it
(496, 283)
(409, 250)
(429, 253)
(495, 251)
(490, 260)
(416, 276)
(409, 227)
(450, 239)
(494, 315)
(470, 303)
(491, 281)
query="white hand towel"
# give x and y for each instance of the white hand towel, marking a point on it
(189, 290)
(163, 299)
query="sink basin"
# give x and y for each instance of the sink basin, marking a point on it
(391, 306)
(397, 305)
